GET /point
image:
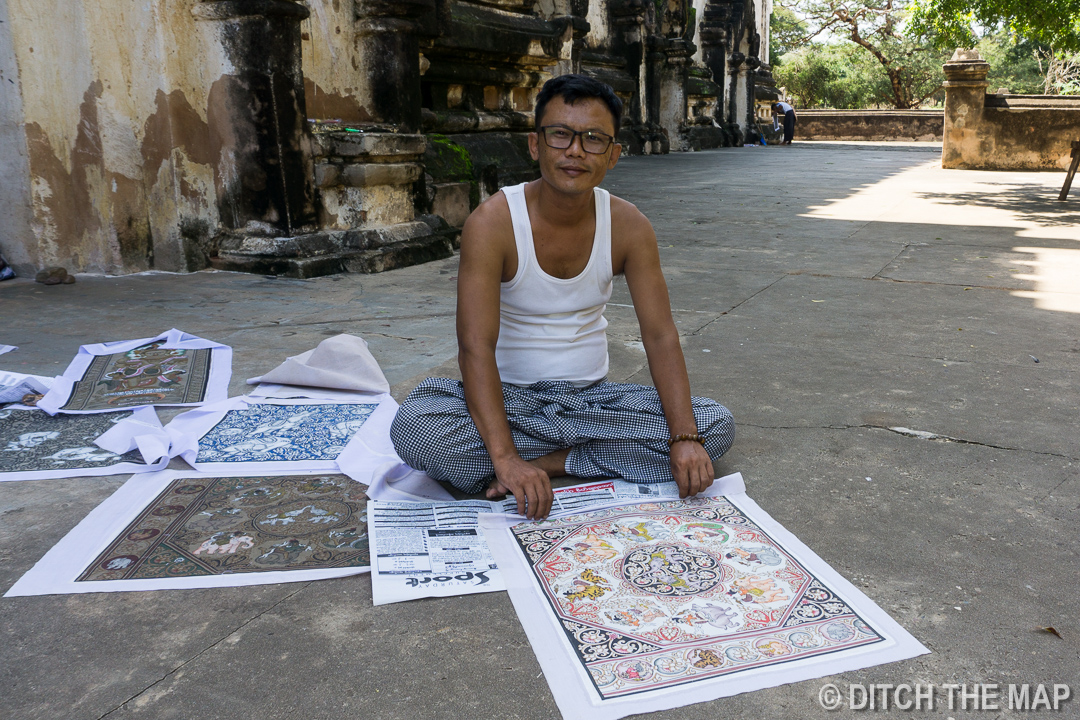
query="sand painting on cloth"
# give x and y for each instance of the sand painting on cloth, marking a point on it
(148, 374)
(277, 433)
(659, 595)
(31, 441)
(209, 525)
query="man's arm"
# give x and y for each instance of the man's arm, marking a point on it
(483, 255)
(690, 464)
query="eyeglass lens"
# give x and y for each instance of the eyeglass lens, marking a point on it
(562, 138)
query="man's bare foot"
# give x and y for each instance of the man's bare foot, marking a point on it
(496, 490)
(554, 464)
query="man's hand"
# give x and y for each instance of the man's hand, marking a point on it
(691, 468)
(530, 486)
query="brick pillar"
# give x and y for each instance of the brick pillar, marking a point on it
(389, 47)
(965, 99)
(257, 116)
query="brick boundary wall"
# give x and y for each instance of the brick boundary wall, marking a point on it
(1003, 132)
(901, 125)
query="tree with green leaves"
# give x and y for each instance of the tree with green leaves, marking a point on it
(877, 27)
(786, 32)
(1055, 23)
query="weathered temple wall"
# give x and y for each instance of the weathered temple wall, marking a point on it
(116, 145)
(1003, 132)
(15, 210)
(280, 136)
(332, 62)
(905, 125)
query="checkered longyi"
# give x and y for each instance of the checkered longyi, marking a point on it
(612, 430)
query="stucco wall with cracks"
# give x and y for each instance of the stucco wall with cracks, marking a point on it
(332, 62)
(112, 113)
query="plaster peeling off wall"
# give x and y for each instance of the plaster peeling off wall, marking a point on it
(764, 15)
(331, 62)
(699, 14)
(15, 213)
(109, 183)
(598, 24)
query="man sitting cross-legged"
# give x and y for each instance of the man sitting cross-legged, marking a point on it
(537, 262)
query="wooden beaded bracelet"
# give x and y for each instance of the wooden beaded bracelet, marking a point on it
(686, 436)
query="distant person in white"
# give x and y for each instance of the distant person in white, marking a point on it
(537, 262)
(782, 108)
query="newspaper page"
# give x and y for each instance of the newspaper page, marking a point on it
(426, 549)
(15, 386)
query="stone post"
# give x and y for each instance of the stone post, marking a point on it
(736, 116)
(965, 99)
(257, 117)
(389, 51)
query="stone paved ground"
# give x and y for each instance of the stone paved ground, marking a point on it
(826, 292)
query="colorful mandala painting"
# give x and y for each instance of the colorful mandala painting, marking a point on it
(213, 526)
(31, 440)
(147, 375)
(269, 433)
(662, 594)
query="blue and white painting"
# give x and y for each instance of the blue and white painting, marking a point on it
(283, 433)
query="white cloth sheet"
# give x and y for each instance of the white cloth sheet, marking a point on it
(143, 432)
(15, 386)
(342, 362)
(635, 610)
(392, 480)
(253, 435)
(37, 446)
(150, 378)
(7, 348)
(57, 572)
(435, 549)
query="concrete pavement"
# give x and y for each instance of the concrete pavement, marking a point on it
(828, 293)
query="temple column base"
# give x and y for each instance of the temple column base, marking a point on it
(329, 252)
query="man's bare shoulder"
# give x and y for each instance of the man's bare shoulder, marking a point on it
(487, 239)
(632, 234)
(628, 221)
(489, 223)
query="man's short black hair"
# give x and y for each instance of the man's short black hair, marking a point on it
(572, 88)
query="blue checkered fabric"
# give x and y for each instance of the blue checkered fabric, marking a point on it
(612, 430)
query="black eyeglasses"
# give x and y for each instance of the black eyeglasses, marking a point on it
(560, 138)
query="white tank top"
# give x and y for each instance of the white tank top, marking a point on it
(553, 328)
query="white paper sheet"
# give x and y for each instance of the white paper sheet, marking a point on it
(7, 348)
(724, 660)
(285, 392)
(436, 549)
(393, 481)
(245, 434)
(58, 570)
(143, 432)
(14, 386)
(342, 362)
(64, 446)
(216, 387)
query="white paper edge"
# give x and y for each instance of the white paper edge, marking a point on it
(575, 691)
(142, 431)
(390, 479)
(217, 382)
(7, 348)
(56, 571)
(302, 357)
(285, 392)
